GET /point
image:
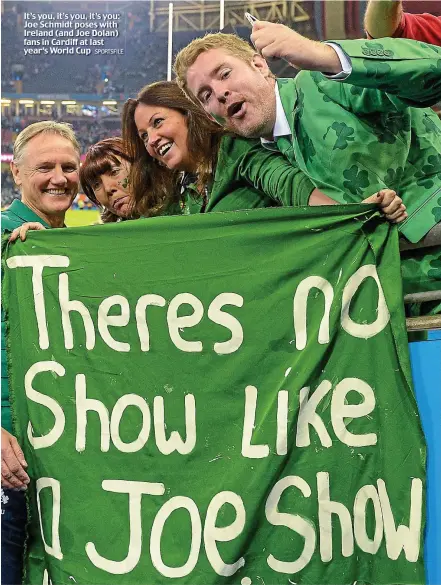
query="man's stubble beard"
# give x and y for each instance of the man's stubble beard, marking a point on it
(264, 126)
(260, 128)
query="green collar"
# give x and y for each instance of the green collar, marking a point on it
(22, 211)
(289, 98)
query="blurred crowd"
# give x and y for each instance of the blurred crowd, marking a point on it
(144, 59)
(88, 131)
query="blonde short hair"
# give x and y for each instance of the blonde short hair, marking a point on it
(232, 44)
(45, 127)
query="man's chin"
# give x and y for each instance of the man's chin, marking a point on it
(245, 131)
(59, 205)
(245, 128)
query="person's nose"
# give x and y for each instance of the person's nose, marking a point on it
(154, 138)
(58, 177)
(220, 91)
(109, 184)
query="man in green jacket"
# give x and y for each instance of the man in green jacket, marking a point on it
(362, 125)
(45, 167)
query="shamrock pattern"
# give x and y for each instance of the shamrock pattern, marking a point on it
(435, 269)
(430, 126)
(393, 177)
(430, 171)
(376, 69)
(384, 135)
(427, 46)
(307, 144)
(356, 180)
(437, 211)
(355, 90)
(344, 135)
(373, 46)
(397, 122)
(300, 103)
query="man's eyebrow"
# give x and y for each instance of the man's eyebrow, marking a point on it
(212, 73)
(51, 163)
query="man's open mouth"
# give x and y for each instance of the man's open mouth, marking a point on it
(235, 109)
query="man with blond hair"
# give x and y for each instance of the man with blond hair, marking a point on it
(356, 120)
(350, 141)
(45, 167)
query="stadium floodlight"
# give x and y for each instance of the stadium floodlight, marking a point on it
(68, 102)
(110, 103)
(26, 102)
(47, 102)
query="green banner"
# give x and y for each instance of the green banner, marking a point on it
(221, 398)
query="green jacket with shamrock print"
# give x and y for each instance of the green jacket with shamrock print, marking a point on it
(247, 176)
(374, 130)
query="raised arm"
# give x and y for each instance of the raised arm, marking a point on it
(409, 70)
(383, 17)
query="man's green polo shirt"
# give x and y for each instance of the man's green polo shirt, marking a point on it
(16, 215)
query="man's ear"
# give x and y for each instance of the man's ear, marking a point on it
(259, 63)
(15, 173)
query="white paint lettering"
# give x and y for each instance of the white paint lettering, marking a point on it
(135, 489)
(176, 323)
(218, 316)
(295, 522)
(175, 443)
(67, 306)
(105, 321)
(213, 533)
(196, 537)
(249, 423)
(57, 430)
(54, 485)
(141, 317)
(38, 263)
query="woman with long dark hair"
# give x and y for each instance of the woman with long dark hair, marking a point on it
(182, 156)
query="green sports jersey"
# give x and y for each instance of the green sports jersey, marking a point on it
(17, 214)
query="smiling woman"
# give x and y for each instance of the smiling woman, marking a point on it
(104, 178)
(184, 162)
(167, 135)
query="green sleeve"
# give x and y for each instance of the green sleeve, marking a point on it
(267, 171)
(409, 71)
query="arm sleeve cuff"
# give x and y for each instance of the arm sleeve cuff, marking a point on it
(346, 66)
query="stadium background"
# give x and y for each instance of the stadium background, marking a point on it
(89, 92)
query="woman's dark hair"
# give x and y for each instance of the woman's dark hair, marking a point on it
(153, 186)
(99, 160)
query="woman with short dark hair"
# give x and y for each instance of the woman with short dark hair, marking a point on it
(104, 177)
